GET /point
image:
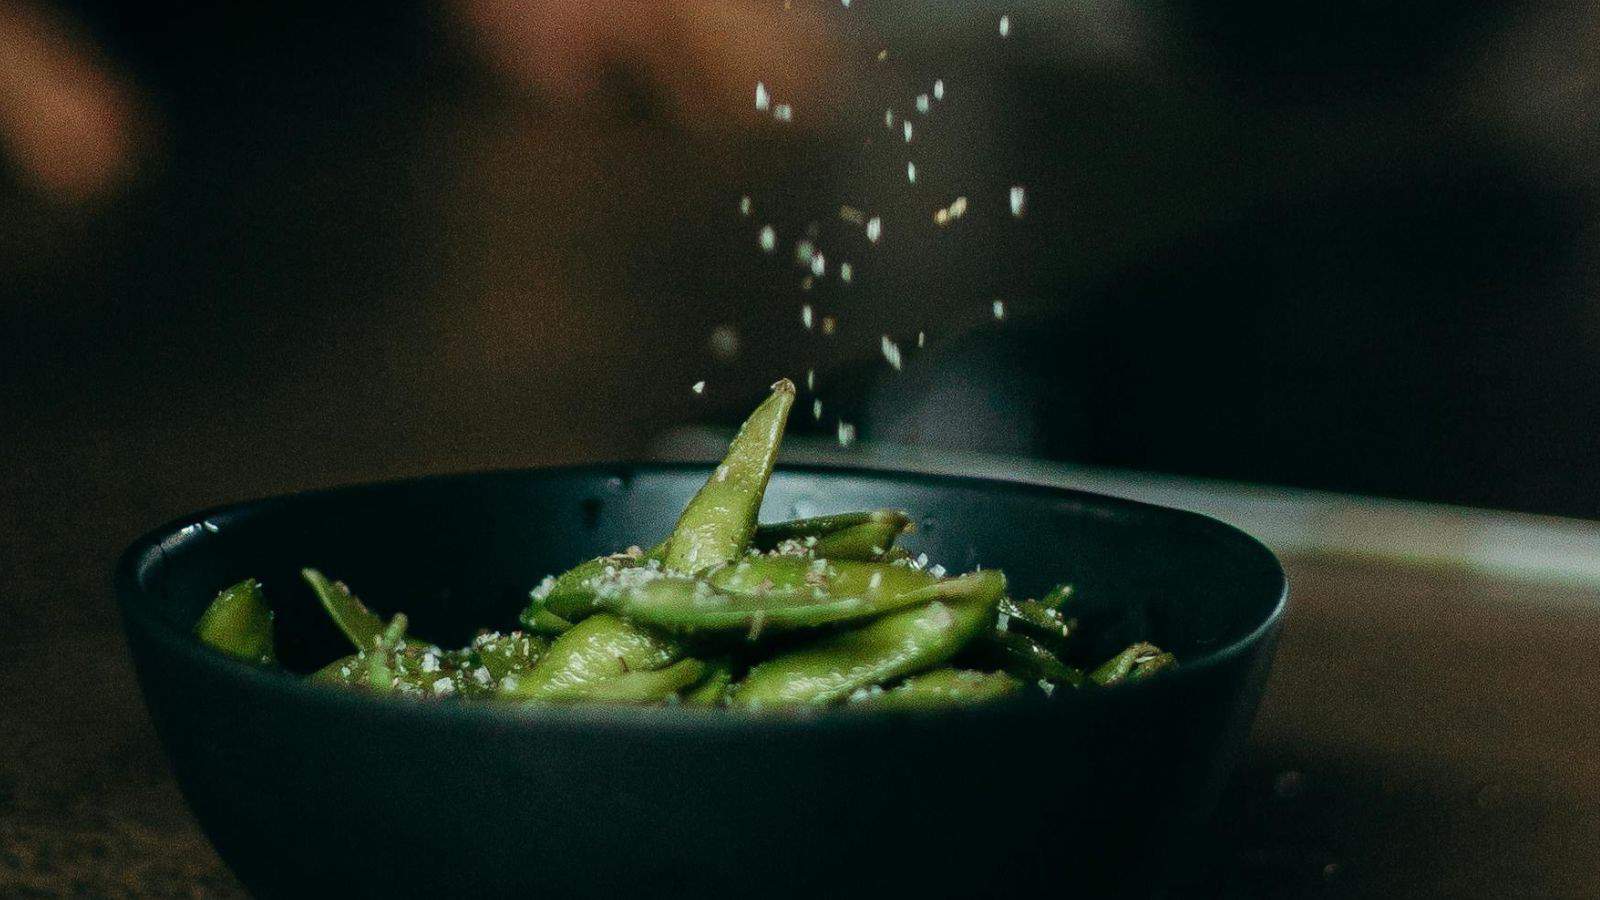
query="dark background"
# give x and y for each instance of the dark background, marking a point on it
(1345, 245)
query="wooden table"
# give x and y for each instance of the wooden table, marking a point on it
(1429, 729)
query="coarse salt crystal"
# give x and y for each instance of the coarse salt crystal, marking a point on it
(1002, 622)
(911, 172)
(846, 272)
(999, 309)
(769, 239)
(847, 433)
(905, 128)
(874, 229)
(891, 352)
(443, 686)
(744, 205)
(819, 265)
(1005, 26)
(763, 99)
(938, 89)
(783, 112)
(888, 118)
(922, 339)
(816, 410)
(923, 104)
(806, 316)
(1019, 198)
(1048, 688)
(811, 379)
(699, 387)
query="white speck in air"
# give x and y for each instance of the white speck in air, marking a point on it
(883, 54)
(905, 128)
(888, 118)
(699, 387)
(911, 172)
(783, 112)
(958, 207)
(806, 316)
(846, 272)
(922, 339)
(829, 325)
(816, 410)
(923, 104)
(1019, 199)
(819, 265)
(806, 282)
(938, 89)
(803, 251)
(744, 205)
(846, 3)
(769, 239)
(811, 379)
(763, 99)
(874, 229)
(891, 352)
(1005, 26)
(851, 214)
(999, 309)
(1047, 687)
(847, 433)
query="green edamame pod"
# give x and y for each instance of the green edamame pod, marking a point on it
(598, 648)
(513, 654)
(380, 669)
(943, 688)
(570, 595)
(361, 625)
(847, 536)
(779, 592)
(713, 685)
(898, 644)
(1033, 618)
(1136, 663)
(239, 623)
(632, 687)
(1028, 659)
(717, 524)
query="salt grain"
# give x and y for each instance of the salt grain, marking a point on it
(922, 339)
(999, 309)
(1047, 687)
(874, 229)
(1019, 198)
(829, 324)
(811, 379)
(1005, 26)
(888, 118)
(699, 387)
(783, 112)
(938, 89)
(905, 128)
(911, 172)
(923, 104)
(803, 251)
(846, 272)
(847, 433)
(806, 316)
(769, 239)
(744, 205)
(891, 352)
(819, 265)
(816, 410)
(763, 99)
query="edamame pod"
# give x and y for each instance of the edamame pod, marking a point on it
(898, 644)
(361, 625)
(600, 647)
(845, 536)
(717, 524)
(943, 688)
(1136, 663)
(777, 592)
(239, 623)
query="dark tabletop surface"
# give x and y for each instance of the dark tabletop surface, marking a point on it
(1426, 733)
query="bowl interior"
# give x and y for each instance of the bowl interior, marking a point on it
(459, 553)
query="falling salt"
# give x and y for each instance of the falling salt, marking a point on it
(811, 379)
(699, 387)
(819, 265)
(922, 339)
(938, 89)
(783, 112)
(891, 352)
(763, 99)
(888, 118)
(744, 205)
(803, 251)
(846, 272)
(1005, 26)
(829, 324)
(847, 433)
(1019, 198)
(805, 316)
(874, 229)
(724, 342)
(816, 410)
(999, 309)
(958, 207)
(911, 172)
(923, 104)
(769, 239)
(905, 128)
(806, 282)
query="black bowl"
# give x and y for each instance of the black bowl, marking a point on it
(305, 789)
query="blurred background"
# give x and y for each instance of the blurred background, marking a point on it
(1347, 246)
